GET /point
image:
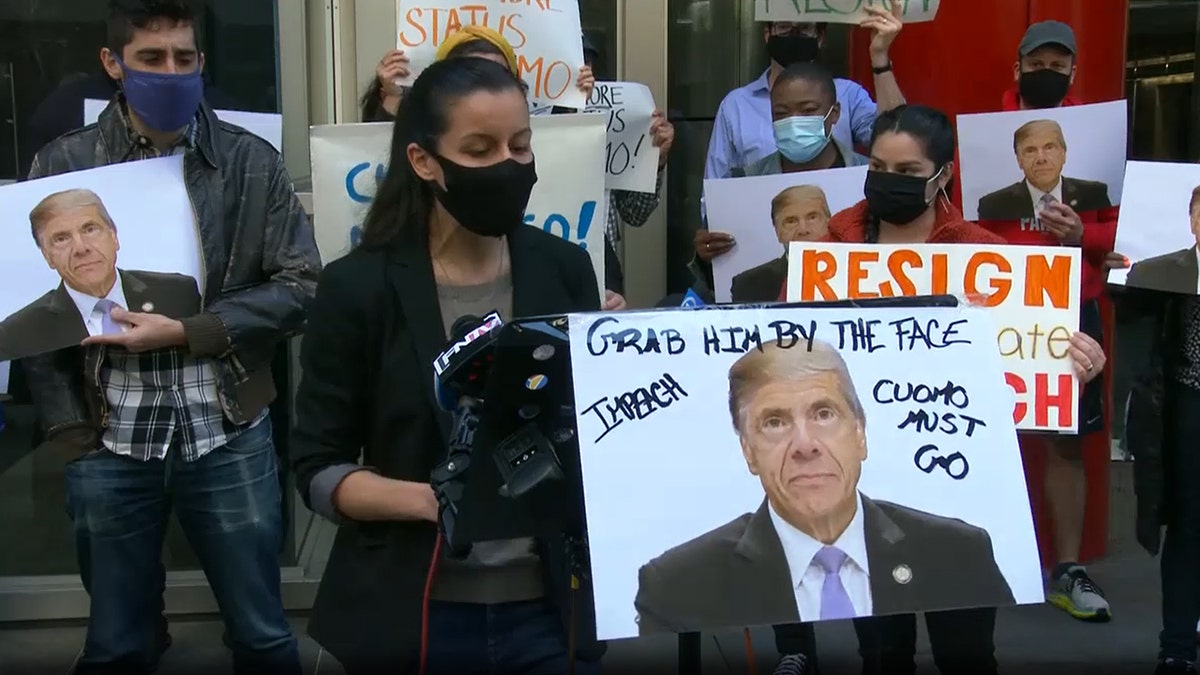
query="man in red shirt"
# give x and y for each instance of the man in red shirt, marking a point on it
(1044, 71)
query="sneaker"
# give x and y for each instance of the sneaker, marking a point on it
(792, 664)
(1076, 594)
(1174, 667)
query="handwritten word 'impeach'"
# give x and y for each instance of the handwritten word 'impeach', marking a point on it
(637, 404)
(906, 272)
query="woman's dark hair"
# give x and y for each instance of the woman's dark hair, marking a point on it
(371, 105)
(401, 208)
(932, 130)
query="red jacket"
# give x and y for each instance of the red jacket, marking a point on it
(1099, 228)
(850, 226)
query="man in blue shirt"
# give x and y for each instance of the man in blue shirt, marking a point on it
(743, 130)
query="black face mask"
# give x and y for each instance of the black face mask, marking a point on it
(793, 48)
(1043, 88)
(896, 198)
(487, 200)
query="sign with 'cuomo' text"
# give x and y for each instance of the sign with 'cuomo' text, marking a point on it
(1032, 291)
(545, 34)
(350, 160)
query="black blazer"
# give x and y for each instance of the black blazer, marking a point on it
(374, 330)
(52, 322)
(1014, 202)
(1175, 272)
(737, 574)
(760, 284)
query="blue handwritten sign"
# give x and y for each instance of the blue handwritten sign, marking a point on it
(561, 225)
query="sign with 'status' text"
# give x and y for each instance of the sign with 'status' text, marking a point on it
(545, 34)
(883, 429)
(632, 158)
(350, 160)
(839, 11)
(1032, 291)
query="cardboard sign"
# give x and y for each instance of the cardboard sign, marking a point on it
(839, 11)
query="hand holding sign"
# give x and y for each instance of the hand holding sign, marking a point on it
(392, 68)
(662, 133)
(1087, 356)
(886, 26)
(1062, 221)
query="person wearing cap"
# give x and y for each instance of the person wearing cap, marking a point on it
(744, 133)
(626, 206)
(1043, 74)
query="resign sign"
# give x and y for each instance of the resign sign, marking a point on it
(545, 34)
(1032, 291)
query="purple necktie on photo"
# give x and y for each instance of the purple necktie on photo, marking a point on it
(107, 325)
(835, 601)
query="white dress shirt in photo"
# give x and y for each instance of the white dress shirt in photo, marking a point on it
(92, 317)
(808, 577)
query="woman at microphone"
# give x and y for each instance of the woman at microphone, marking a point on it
(444, 238)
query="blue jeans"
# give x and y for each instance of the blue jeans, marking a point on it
(515, 638)
(227, 503)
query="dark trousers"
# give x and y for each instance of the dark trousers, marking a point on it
(1180, 563)
(513, 638)
(227, 503)
(961, 640)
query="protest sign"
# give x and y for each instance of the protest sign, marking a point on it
(1032, 291)
(1159, 226)
(545, 34)
(840, 11)
(1009, 160)
(729, 432)
(761, 212)
(349, 161)
(632, 158)
(107, 239)
(267, 126)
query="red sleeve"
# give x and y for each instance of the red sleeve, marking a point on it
(1099, 235)
(783, 291)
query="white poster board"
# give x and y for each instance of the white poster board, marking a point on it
(545, 34)
(632, 158)
(995, 174)
(155, 231)
(684, 542)
(267, 126)
(742, 207)
(349, 160)
(1156, 229)
(839, 11)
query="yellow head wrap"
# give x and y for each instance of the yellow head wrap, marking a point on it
(469, 33)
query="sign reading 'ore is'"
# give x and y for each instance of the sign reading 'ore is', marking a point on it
(545, 34)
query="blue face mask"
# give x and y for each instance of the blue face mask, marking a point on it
(801, 138)
(163, 101)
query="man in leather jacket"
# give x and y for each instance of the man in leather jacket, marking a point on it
(170, 413)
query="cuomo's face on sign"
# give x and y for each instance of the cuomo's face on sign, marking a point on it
(802, 434)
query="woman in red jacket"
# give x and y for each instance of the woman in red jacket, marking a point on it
(911, 165)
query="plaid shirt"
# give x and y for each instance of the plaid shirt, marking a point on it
(158, 398)
(632, 208)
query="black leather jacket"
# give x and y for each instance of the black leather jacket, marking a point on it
(259, 261)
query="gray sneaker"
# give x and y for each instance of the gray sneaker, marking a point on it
(1076, 594)
(792, 664)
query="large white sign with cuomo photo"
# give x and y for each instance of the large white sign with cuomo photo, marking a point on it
(1010, 160)
(731, 456)
(1159, 226)
(350, 160)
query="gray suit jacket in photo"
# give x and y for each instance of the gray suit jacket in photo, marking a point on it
(738, 575)
(1171, 273)
(52, 322)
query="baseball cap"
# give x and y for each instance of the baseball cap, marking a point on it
(1047, 33)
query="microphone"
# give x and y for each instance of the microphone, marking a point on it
(460, 370)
